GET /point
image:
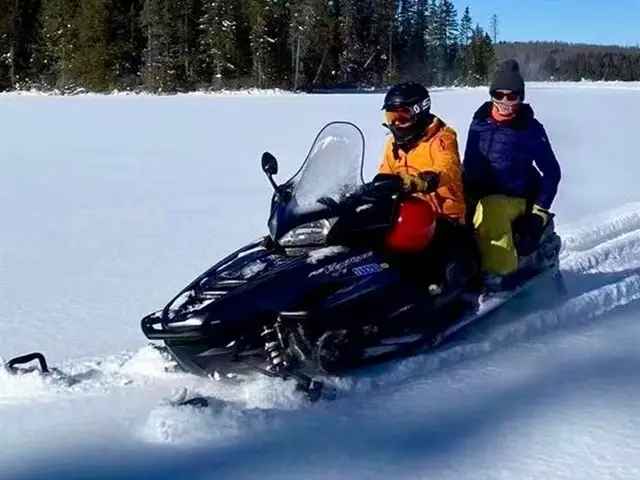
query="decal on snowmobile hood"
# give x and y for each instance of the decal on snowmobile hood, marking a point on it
(338, 268)
(369, 269)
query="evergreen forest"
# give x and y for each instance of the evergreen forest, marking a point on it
(310, 45)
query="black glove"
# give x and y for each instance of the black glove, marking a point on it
(431, 181)
(527, 232)
(423, 182)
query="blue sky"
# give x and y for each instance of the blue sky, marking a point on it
(577, 21)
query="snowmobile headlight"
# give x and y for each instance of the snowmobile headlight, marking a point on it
(193, 321)
(312, 233)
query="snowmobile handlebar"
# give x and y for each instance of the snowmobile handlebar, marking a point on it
(382, 187)
(383, 184)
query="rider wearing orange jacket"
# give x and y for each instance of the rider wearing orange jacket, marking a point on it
(423, 151)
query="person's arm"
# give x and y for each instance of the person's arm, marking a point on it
(387, 158)
(446, 158)
(443, 169)
(473, 163)
(548, 166)
(421, 183)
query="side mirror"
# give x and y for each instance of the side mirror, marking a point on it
(269, 164)
(270, 167)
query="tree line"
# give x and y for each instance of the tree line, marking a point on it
(565, 61)
(180, 45)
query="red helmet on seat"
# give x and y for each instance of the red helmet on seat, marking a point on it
(414, 227)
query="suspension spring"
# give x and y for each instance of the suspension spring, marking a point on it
(274, 348)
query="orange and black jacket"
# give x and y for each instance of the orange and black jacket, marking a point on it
(436, 151)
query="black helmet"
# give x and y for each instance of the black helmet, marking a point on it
(416, 100)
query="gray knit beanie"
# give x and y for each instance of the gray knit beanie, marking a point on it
(508, 77)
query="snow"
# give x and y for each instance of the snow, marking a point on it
(111, 204)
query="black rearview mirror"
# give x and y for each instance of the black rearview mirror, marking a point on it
(269, 164)
(270, 167)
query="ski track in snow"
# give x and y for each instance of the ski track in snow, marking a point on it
(612, 224)
(601, 267)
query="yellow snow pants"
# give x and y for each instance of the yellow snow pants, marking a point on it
(492, 222)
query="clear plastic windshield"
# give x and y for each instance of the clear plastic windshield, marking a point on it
(332, 169)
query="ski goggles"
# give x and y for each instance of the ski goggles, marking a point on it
(505, 96)
(401, 116)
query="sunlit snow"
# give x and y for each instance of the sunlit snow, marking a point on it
(111, 204)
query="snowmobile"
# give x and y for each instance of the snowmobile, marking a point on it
(321, 293)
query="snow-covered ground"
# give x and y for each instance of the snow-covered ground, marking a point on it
(110, 204)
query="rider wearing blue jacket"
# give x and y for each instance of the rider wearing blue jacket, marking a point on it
(510, 171)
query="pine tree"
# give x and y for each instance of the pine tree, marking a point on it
(312, 41)
(443, 36)
(382, 34)
(19, 32)
(219, 53)
(185, 14)
(449, 20)
(413, 33)
(159, 69)
(320, 42)
(403, 32)
(351, 57)
(482, 57)
(127, 41)
(170, 56)
(466, 28)
(92, 67)
(304, 14)
(7, 46)
(494, 28)
(367, 33)
(269, 20)
(59, 42)
(464, 57)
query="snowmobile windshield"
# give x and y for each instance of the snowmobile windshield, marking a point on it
(333, 168)
(331, 172)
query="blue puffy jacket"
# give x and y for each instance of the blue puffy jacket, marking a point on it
(500, 158)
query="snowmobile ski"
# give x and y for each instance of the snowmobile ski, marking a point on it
(23, 364)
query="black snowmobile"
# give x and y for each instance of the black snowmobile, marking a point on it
(319, 293)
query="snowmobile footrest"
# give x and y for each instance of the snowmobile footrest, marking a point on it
(13, 365)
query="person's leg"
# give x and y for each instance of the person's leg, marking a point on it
(492, 221)
(453, 254)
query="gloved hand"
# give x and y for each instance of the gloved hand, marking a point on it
(543, 213)
(424, 182)
(528, 229)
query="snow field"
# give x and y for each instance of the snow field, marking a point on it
(111, 204)
(246, 406)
